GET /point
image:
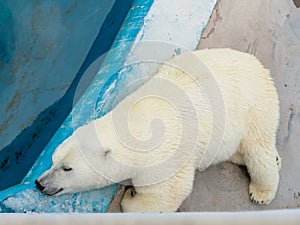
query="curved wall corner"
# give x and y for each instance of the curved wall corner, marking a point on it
(146, 21)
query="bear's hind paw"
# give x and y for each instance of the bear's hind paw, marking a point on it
(260, 195)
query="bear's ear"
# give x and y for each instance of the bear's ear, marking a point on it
(62, 150)
(106, 153)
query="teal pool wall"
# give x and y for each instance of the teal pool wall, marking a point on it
(38, 141)
(40, 70)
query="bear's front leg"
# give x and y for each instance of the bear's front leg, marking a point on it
(165, 196)
(263, 166)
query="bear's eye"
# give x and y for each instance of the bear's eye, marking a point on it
(66, 168)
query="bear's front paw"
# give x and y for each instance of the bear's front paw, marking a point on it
(130, 192)
(129, 202)
(134, 201)
(260, 195)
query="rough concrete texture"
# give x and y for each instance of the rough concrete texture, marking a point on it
(115, 206)
(270, 30)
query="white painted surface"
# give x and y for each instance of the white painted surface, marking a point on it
(287, 217)
(177, 22)
(172, 27)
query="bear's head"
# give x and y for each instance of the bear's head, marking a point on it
(81, 163)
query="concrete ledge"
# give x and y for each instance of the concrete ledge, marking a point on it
(287, 217)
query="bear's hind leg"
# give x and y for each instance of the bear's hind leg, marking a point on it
(263, 166)
(165, 196)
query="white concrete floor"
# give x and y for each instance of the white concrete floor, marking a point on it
(269, 29)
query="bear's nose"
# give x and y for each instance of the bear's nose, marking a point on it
(38, 184)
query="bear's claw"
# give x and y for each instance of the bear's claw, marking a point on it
(278, 161)
(255, 201)
(130, 192)
(259, 195)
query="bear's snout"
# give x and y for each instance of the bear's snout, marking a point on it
(39, 185)
(47, 190)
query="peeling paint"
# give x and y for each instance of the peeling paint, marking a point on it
(14, 103)
(5, 123)
(213, 21)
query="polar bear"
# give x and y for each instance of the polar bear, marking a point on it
(199, 109)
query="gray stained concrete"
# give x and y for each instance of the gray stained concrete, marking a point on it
(270, 30)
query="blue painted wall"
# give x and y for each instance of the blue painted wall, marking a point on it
(25, 197)
(45, 48)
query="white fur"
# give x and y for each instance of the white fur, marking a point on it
(239, 125)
